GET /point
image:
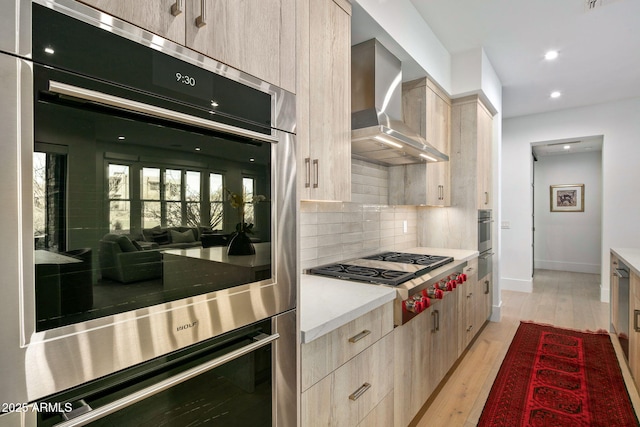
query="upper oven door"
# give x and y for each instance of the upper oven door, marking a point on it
(121, 194)
(484, 230)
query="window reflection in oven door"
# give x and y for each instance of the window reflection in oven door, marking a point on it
(226, 381)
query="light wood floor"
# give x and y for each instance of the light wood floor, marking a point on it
(570, 300)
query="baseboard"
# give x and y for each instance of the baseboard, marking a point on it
(576, 267)
(496, 313)
(518, 285)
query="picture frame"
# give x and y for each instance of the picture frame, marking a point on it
(566, 198)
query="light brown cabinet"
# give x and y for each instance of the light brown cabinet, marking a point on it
(444, 339)
(254, 36)
(427, 110)
(426, 348)
(324, 99)
(485, 167)
(472, 129)
(347, 375)
(165, 18)
(483, 302)
(467, 295)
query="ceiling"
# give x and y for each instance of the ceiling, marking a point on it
(599, 48)
(567, 146)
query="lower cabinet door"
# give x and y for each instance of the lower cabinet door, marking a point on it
(348, 395)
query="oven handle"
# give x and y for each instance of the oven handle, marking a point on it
(151, 110)
(486, 256)
(96, 414)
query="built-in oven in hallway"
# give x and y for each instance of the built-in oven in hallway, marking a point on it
(129, 163)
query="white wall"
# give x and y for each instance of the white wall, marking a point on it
(568, 241)
(619, 123)
(402, 21)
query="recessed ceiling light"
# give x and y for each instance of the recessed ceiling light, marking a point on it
(550, 55)
(555, 94)
(121, 138)
(49, 50)
(252, 159)
(197, 148)
(567, 147)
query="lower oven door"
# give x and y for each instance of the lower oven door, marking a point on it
(226, 381)
(485, 263)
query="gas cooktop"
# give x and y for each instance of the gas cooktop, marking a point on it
(380, 268)
(429, 261)
(365, 274)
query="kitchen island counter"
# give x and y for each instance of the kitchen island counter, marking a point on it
(630, 256)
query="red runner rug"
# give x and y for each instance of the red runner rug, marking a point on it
(558, 377)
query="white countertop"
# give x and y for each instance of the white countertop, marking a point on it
(630, 256)
(326, 304)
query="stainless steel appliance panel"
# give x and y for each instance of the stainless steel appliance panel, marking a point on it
(485, 222)
(485, 263)
(37, 364)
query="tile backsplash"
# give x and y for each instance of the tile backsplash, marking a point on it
(331, 232)
(369, 183)
(337, 231)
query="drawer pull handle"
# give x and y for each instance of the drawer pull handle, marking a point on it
(316, 172)
(177, 7)
(486, 290)
(360, 391)
(307, 167)
(358, 337)
(436, 321)
(636, 313)
(201, 20)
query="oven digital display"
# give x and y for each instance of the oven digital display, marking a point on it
(179, 76)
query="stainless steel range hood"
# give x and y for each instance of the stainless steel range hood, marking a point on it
(378, 133)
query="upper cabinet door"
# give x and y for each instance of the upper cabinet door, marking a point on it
(255, 36)
(427, 110)
(324, 99)
(485, 167)
(165, 18)
(438, 134)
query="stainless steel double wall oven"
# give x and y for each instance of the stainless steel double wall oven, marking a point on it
(129, 162)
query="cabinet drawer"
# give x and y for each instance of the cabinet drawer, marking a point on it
(471, 269)
(349, 395)
(328, 352)
(381, 415)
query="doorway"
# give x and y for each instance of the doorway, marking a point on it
(566, 191)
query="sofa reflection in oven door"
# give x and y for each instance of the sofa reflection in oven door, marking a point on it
(226, 381)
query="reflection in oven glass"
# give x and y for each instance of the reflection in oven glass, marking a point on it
(130, 212)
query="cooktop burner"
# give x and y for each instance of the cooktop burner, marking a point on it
(366, 274)
(429, 261)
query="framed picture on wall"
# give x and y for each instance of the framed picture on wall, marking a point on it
(567, 198)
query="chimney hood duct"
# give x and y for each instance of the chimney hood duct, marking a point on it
(378, 133)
